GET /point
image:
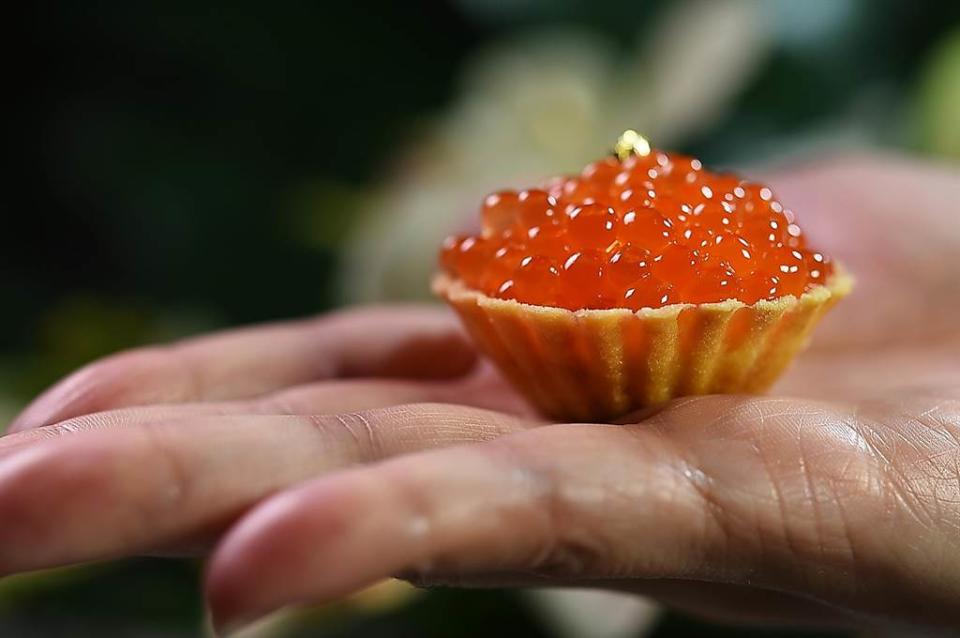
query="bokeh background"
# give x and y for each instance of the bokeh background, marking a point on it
(182, 166)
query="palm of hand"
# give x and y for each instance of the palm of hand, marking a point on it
(837, 507)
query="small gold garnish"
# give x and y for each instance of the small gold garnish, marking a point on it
(631, 143)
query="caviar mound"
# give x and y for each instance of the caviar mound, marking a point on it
(646, 231)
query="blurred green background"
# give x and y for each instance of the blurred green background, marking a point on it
(182, 166)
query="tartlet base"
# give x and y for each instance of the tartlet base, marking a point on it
(597, 365)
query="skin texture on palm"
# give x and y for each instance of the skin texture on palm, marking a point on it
(841, 506)
(893, 223)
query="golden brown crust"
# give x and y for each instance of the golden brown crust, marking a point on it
(595, 365)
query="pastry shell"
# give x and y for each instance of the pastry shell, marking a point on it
(596, 365)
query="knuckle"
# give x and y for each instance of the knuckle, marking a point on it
(717, 533)
(566, 518)
(75, 425)
(411, 427)
(358, 428)
(571, 546)
(176, 477)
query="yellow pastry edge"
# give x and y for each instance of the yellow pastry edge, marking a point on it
(596, 365)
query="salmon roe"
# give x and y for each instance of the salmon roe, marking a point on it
(642, 232)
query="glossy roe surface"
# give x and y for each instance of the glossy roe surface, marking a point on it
(644, 232)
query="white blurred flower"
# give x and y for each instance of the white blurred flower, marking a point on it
(545, 104)
(571, 613)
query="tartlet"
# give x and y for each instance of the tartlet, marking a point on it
(642, 279)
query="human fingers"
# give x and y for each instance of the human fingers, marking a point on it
(174, 485)
(483, 389)
(396, 341)
(781, 494)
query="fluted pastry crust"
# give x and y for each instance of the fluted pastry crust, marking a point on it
(596, 365)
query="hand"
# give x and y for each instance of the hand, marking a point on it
(838, 508)
(158, 449)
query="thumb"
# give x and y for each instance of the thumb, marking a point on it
(771, 493)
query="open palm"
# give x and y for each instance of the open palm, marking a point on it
(320, 456)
